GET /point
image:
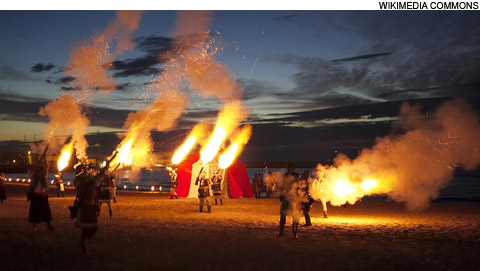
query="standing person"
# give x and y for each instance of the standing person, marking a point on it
(260, 184)
(104, 191)
(255, 185)
(270, 181)
(113, 184)
(289, 201)
(173, 183)
(3, 190)
(60, 185)
(86, 218)
(319, 188)
(104, 187)
(203, 183)
(306, 200)
(38, 194)
(217, 187)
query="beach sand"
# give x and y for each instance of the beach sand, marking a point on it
(151, 232)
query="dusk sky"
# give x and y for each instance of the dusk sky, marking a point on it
(315, 81)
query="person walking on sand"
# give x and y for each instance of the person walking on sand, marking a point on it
(289, 201)
(306, 200)
(59, 184)
(217, 187)
(3, 190)
(86, 216)
(203, 183)
(38, 195)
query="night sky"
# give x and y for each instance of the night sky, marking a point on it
(315, 81)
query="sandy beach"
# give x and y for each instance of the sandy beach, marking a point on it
(151, 232)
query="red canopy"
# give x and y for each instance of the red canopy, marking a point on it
(237, 178)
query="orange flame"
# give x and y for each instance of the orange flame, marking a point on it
(197, 134)
(342, 188)
(228, 120)
(217, 138)
(65, 156)
(124, 157)
(368, 184)
(184, 149)
(227, 158)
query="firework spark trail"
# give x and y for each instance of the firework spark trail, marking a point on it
(87, 67)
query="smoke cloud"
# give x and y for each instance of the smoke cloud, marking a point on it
(66, 116)
(411, 167)
(89, 62)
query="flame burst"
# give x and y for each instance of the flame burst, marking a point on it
(217, 138)
(227, 158)
(65, 156)
(368, 184)
(194, 137)
(124, 156)
(228, 120)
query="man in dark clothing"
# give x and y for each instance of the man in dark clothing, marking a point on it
(305, 197)
(203, 183)
(217, 187)
(86, 218)
(38, 194)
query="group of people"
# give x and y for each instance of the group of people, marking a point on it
(94, 185)
(296, 199)
(208, 187)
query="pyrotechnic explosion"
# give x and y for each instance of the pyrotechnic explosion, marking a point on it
(228, 120)
(412, 167)
(195, 137)
(65, 155)
(160, 115)
(193, 60)
(235, 147)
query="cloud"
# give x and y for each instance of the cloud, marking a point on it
(288, 17)
(39, 67)
(65, 80)
(154, 45)
(143, 66)
(360, 57)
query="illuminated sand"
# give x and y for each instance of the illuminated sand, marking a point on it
(150, 232)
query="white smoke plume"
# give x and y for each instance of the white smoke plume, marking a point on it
(66, 116)
(414, 166)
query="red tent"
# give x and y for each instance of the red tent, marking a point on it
(237, 182)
